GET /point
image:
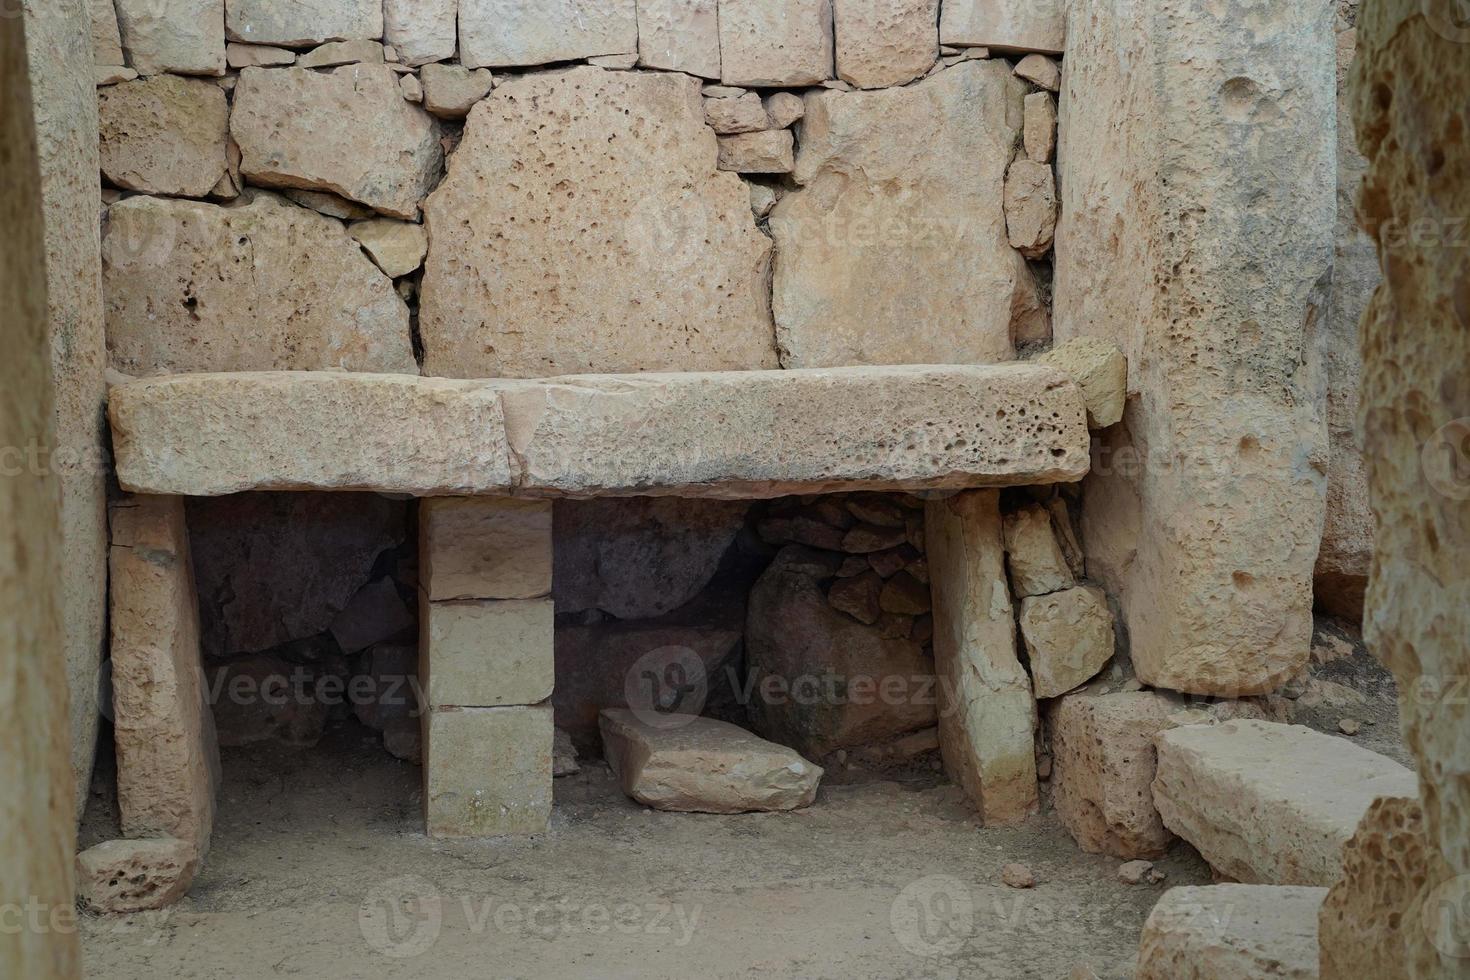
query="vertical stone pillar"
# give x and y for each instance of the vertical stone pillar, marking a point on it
(486, 665)
(37, 823)
(987, 715)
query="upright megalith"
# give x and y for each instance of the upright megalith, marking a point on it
(1196, 233)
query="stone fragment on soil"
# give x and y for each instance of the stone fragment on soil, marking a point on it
(293, 24)
(1135, 872)
(692, 764)
(883, 43)
(422, 31)
(1069, 638)
(1033, 556)
(1100, 370)
(1018, 876)
(786, 44)
(680, 35)
(396, 247)
(451, 91)
(164, 135)
(349, 132)
(185, 37)
(1270, 803)
(118, 877)
(771, 152)
(403, 739)
(1232, 932)
(1031, 207)
(1038, 25)
(510, 33)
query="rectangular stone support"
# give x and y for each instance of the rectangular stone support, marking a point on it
(987, 716)
(488, 653)
(487, 771)
(485, 548)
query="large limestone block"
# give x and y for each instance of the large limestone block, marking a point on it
(422, 31)
(186, 37)
(894, 250)
(768, 433)
(1205, 511)
(507, 33)
(987, 718)
(208, 434)
(259, 285)
(639, 557)
(486, 653)
(1363, 922)
(164, 135)
(787, 44)
(885, 42)
(350, 131)
(167, 757)
(1270, 803)
(583, 228)
(1103, 770)
(820, 680)
(1415, 405)
(485, 548)
(701, 765)
(118, 877)
(1007, 25)
(1069, 638)
(302, 23)
(106, 37)
(487, 771)
(680, 35)
(1232, 932)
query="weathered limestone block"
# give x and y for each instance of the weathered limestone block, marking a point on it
(486, 653)
(349, 132)
(655, 264)
(164, 135)
(700, 765)
(987, 717)
(261, 285)
(784, 109)
(1232, 932)
(1270, 803)
(820, 680)
(1363, 921)
(106, 37)
(894, 250)
(772, 152)
(1040, 70)
(275, 567)
(1100, 370)
(1033, 553)
(1031, 207)
(680, 35)
(506, 33)
(639, 557)
(182, 36)
(769, 433)
(335, 53)
(423, 31)
(302, 23)
(451, 91)
(239, 55)
(167, 758)
(787, 44)
(1069, 638)
(1205, 510)
(396, 247)
(485, 548)
(741, 114)
(885, 42)
(1040, 128)
(487, 771)
(1103, 762)
(123, 876)
(1006, 25)
(1415, 403)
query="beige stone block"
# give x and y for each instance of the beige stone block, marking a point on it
(894, 248)
(167, 756)
(487, 653)
(786, 44)
(1100, 370)
(422, 31)
(451, 91)
(742, 114)
(1006, 25)
(691, 764)
(680, 35)
(164, 135)
(1039, 130)
(987, 716)
(1069, 638)
(1033, 554)
(291, 23)
(487, 771)
(1031, 207)
(1040, 70)
(349, 132)
(239, 55)
(118, 877)
(785, 109)
(509, 33)
(335, 53)
(885, 42)
(396, 247)
(653, 227)
(1270, 803)
(1232, 932)
(771, 152)
(185, 37)
(1103, 763)
(485, 548)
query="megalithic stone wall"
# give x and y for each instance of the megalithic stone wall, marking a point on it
(1197, 171)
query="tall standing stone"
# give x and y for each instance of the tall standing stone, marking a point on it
(512, 33)
(1192, 253)
(680, 35)
(987, 716)
(186, 37)
(583, 228)
(894, 250)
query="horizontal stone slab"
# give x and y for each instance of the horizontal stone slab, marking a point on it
(728, 434)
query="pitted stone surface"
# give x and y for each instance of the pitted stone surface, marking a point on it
(509, 33)
(680, 35)
(262, 285)
(885, 42)
(182, 36)
(583, 227)
(787, 43)
(164, 135)
(894, 250)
